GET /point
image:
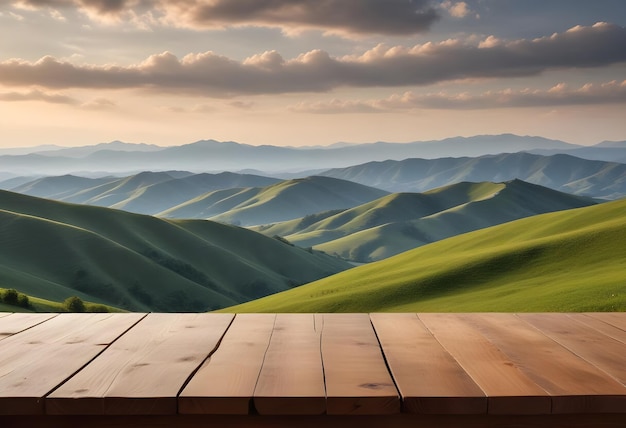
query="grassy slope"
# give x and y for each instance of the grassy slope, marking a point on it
(402, 221)
(282, 201)
(564, 261)
(54, 250)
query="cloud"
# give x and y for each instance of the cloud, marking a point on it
(209, 74)
(613, 92)
(458, 9)
(398, 17)
(37, 95)
(395, 17)
(99, 104)
(104, 7)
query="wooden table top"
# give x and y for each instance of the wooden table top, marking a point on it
(532, 366)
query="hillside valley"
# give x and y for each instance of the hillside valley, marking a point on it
(53, 250)
(564, 261)
(403, 221)
(241, 199)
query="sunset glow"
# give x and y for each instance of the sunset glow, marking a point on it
(293, 73)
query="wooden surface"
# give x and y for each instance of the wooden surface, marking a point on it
(465, 370)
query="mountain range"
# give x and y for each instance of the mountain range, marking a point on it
(130, 230)
(598, 179)
(214, 156)
(54, 250)
(402, 221)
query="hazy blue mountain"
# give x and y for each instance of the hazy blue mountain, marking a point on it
(211, 155)
(612, 144)
(402, 221)
(9, 181)
(565, 173)
(59, 187)
(118, 146)
(27, 150)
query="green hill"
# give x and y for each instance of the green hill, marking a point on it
(143, 193)
(564, 261)
(54, 250)
(285, 200)
(402, 221)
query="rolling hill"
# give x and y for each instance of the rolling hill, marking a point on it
(53, 250)
(402, 221)
(285, 200)
(598, 179)
(143, 193)
(244, 199)
(565, 261)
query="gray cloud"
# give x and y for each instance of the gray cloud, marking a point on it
(209, 74)
(352, 16)
(613, 92)
(37, 95)
(395, 17)
(97, 6)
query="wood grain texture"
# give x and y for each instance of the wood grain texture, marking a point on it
(509, 390)
(226, 381)
(357, 378)
(575, 385)
(600, 350)
(430, 380)
(144, 370)
(37, 360)
(610, 324)
(11, 324)
(292, 377)
(299, 369)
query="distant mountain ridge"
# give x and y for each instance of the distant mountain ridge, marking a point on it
(214, 156)
(565, 173)
(403, 221)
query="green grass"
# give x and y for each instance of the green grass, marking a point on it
(565, 261)
(43, 305)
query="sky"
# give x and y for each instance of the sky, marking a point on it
(316, 72)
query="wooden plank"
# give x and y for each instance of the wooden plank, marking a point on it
(225, 383)
(618, 319)
(430, 380)
(15, 323)
(144, 370)
(37, 360)
(612, 324)
(292, 377)
(509, 390)
(575, 385)
(356, 376)
(602, 351)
